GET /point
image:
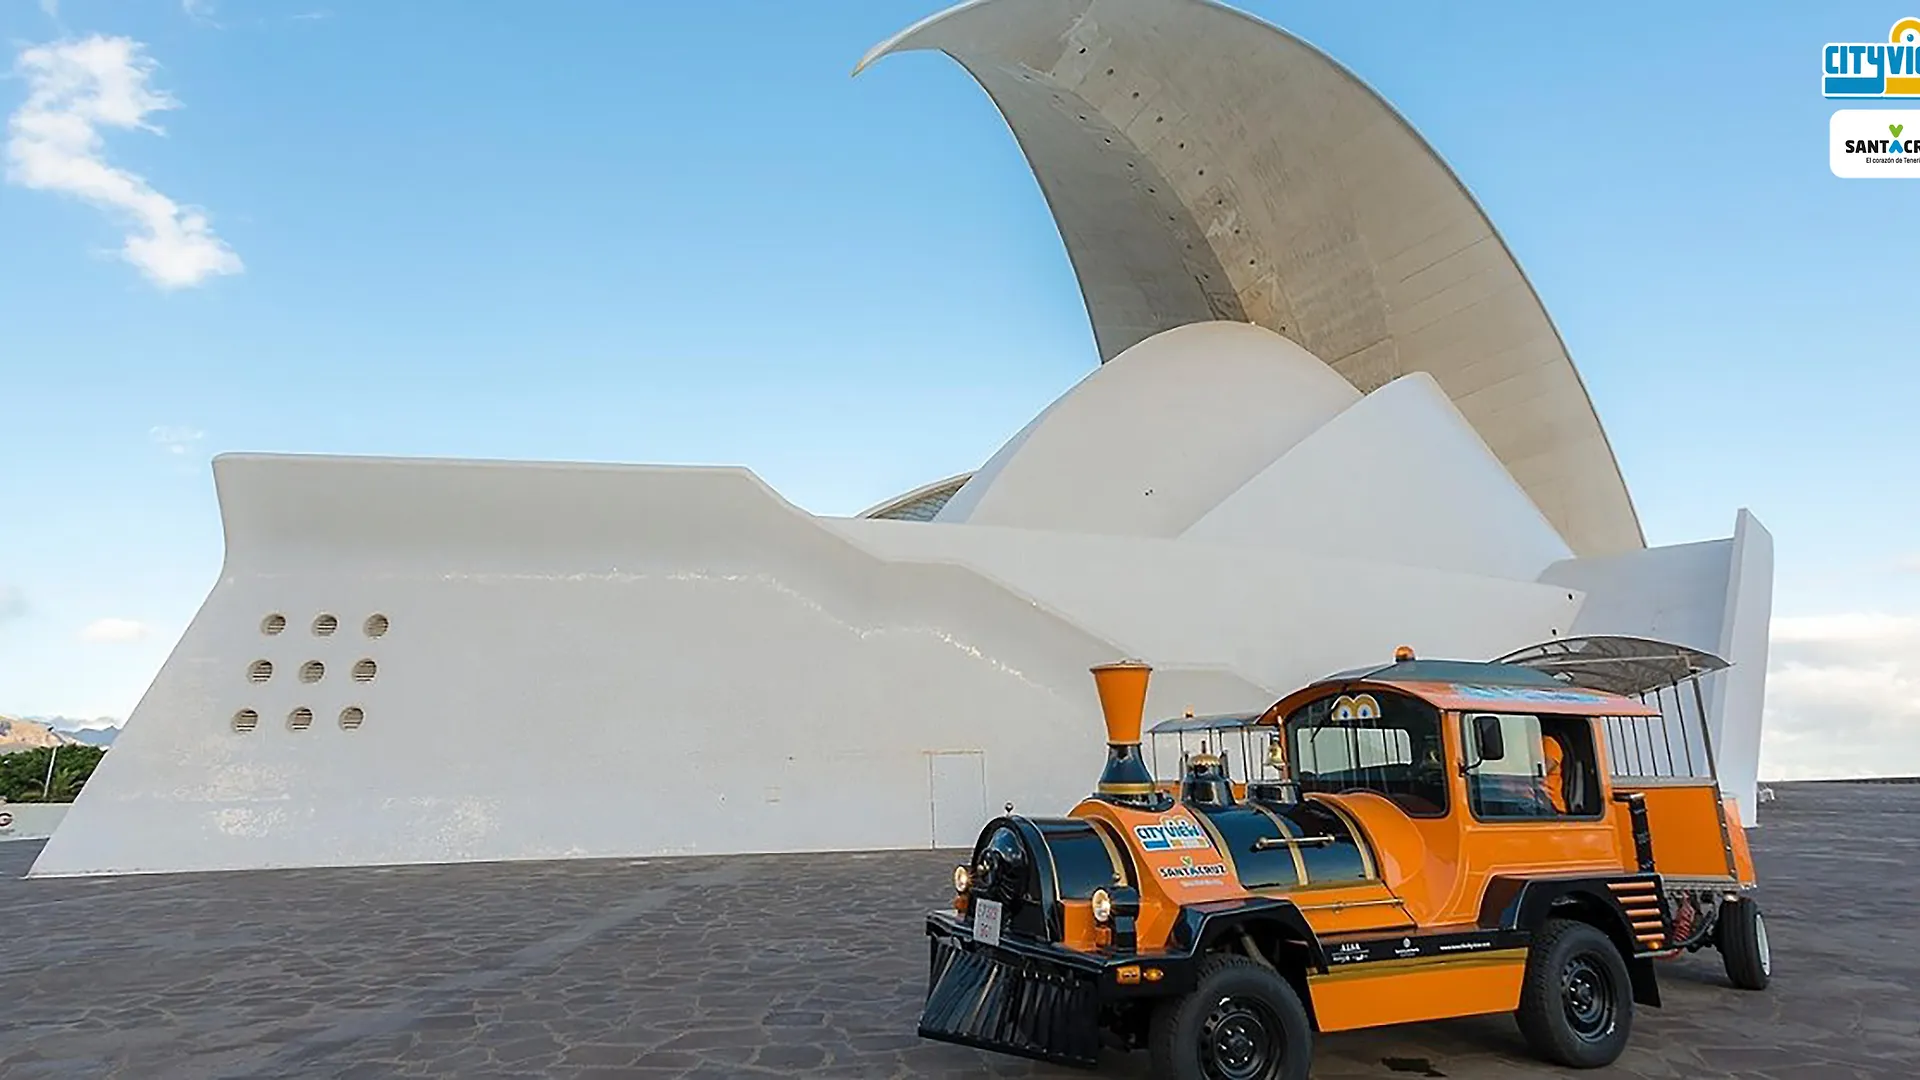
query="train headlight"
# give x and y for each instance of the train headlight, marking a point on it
(1102, 906)
(962, 880)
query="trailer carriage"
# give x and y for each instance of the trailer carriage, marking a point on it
(1406, 842)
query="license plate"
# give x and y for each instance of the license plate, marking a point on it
(986, 921)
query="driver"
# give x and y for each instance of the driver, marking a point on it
(1553, 773)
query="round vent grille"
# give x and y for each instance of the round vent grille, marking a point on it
(300, 719)
(246, 720)
(273, 624)
(376, 625)
(312, 671)
(352, 717)
(325, 625)
(260, 671)
(365, 670)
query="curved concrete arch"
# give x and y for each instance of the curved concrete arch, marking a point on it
(1204, 165)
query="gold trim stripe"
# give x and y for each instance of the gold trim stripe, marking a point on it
(1286, 830)
(1360, 840)
(1369, 968)
(1341, 905)
(1219, 842)
(1338, 883)
(1113, 853)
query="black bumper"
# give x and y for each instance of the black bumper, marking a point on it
(1029, 999)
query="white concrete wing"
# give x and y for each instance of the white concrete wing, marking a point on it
(1400, 477)
(1151, 441)
(1273, 618)
(1204, 165)
(432, 661)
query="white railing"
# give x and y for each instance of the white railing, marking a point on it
(1673, 745)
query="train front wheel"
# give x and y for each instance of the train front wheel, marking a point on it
(1242, 1022)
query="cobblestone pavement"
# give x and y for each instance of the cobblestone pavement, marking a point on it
(806, 965)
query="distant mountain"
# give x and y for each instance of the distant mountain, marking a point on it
(91, 736)
(16, 734)
(19, 733)
(97, 732)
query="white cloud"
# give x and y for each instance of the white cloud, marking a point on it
(75, 89)
(115, 631)
(1843, 697)
(175, 440)
(50, 8)
(1857, 628)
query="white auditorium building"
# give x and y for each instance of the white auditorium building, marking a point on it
(1329, 416)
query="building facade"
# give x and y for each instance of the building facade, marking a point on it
(1330, 417)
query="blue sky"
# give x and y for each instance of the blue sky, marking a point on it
(682, 233)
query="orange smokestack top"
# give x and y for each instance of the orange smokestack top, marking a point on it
(1123, 699)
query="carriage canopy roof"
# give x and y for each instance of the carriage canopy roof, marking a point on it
(1589, 676)
(1216, 722)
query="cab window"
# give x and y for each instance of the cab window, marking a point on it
(1529, 767)
(1376, 741)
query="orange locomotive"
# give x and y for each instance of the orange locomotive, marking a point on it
(1445, 839)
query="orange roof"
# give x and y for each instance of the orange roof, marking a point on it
(1468, 696)
(1567, 701)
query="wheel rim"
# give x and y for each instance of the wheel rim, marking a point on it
(1241, 1040)
(1760, 943)
(1587, 994)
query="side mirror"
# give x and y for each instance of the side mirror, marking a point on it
(1487, 738)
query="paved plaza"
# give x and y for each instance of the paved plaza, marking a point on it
(807, 965)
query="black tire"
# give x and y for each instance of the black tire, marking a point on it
(1576, 1002)
(1742, 939)
(1243, 1021)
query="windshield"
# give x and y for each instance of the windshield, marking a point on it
(1381, 742)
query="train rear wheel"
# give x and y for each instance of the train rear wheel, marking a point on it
(1242, 1022)
(1742, 939)
(1576, 1003)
